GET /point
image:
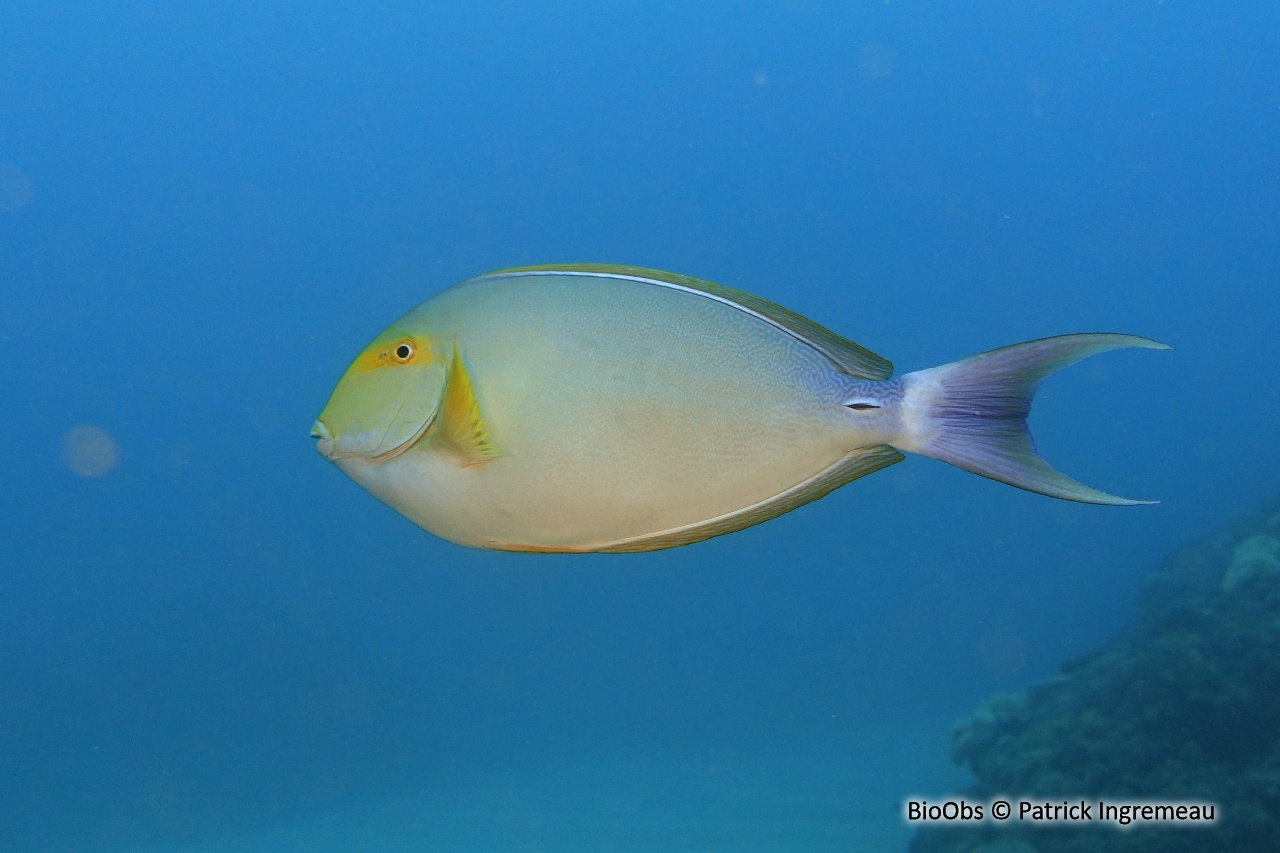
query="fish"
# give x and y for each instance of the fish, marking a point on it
(599, 408)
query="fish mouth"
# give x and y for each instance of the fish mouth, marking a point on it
(329, 447)
(324, 441)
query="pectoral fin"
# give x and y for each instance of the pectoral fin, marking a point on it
(460, 425)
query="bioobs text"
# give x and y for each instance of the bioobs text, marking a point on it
(948, 810)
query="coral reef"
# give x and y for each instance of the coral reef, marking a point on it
(1183, 705)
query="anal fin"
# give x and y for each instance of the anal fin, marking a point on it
(858, 463)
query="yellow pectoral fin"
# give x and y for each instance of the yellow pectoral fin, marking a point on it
(461, 426)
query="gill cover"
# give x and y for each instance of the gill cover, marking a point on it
(386, 401)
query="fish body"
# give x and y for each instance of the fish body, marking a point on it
(591, 408)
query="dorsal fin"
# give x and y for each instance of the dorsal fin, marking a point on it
(855, 360)
(461, 426)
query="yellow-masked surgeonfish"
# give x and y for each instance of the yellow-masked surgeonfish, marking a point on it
(605, 408)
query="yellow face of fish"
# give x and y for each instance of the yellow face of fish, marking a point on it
(386, 401)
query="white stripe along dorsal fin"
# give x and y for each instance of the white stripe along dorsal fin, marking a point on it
(854, 360)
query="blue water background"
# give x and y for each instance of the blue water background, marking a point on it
(224, 633)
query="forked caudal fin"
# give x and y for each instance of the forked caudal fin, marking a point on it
(973, 413)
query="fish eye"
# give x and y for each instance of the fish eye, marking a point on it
(403, 351)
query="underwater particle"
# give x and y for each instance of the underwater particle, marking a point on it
(762, 78)
(15, 188)
(1038, 87)
(875, 60)
(1255, 557)
(89, 451)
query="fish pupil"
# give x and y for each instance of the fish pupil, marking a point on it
(403, 351)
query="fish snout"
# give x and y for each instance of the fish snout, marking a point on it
(324, 440)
